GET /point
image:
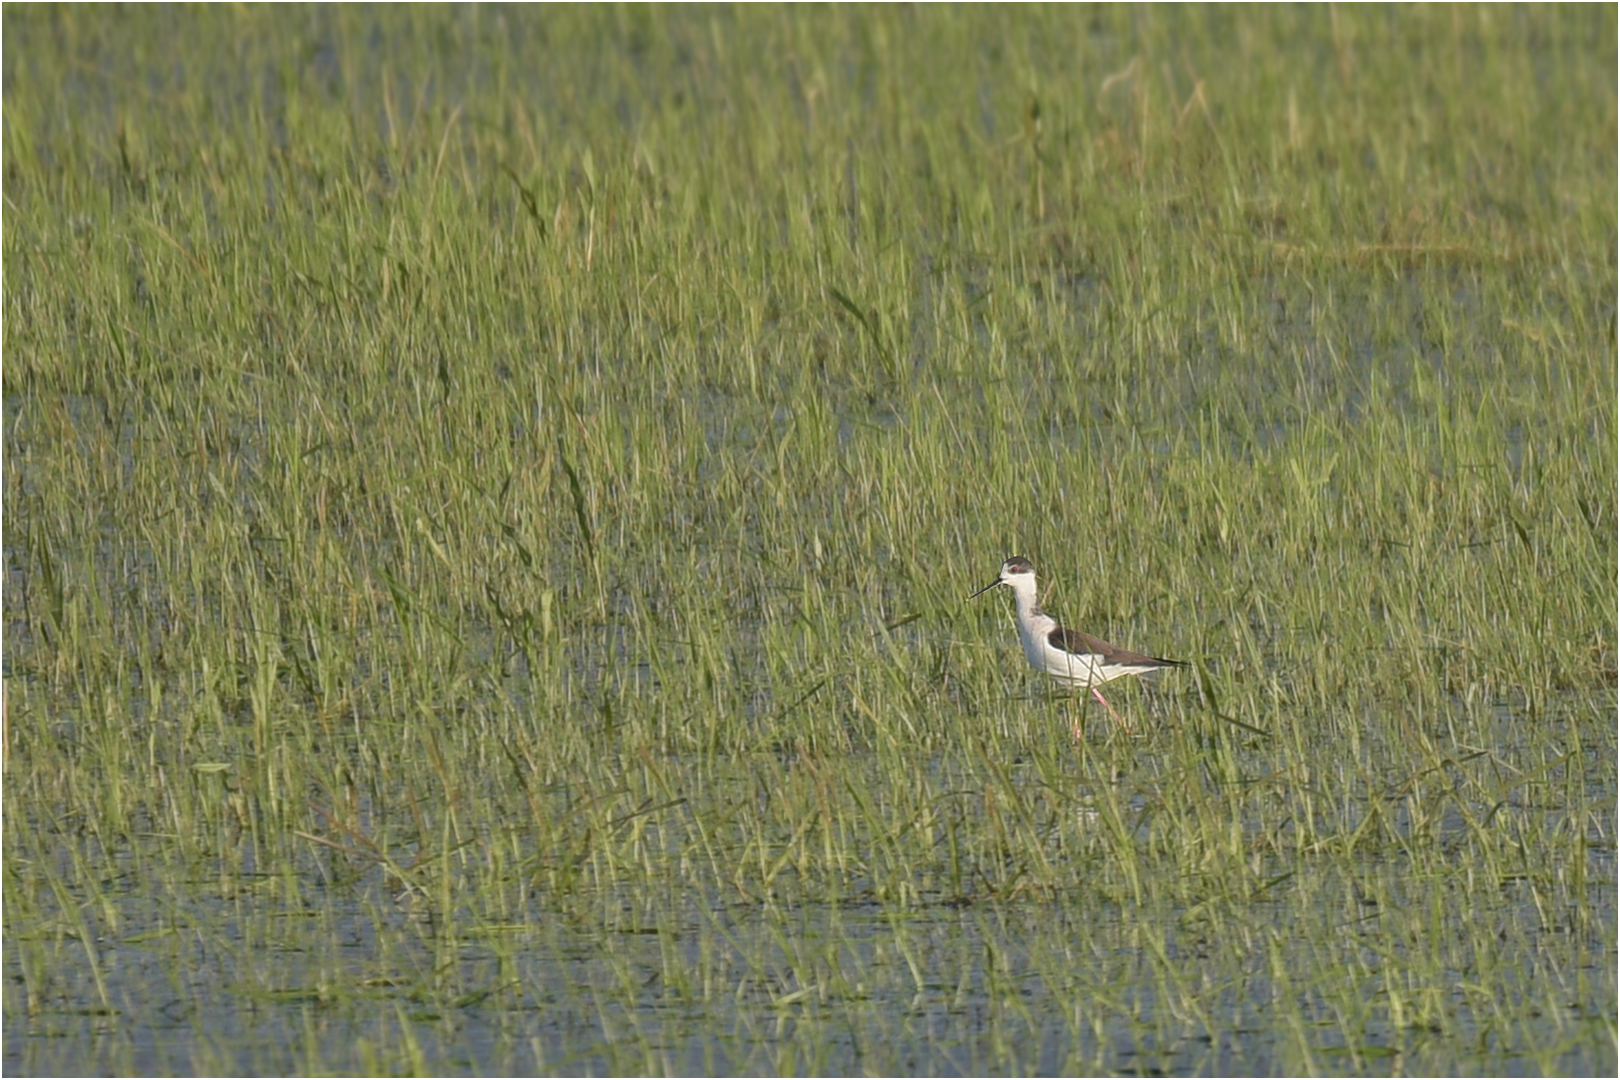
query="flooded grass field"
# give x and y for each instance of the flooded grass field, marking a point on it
(489, 497)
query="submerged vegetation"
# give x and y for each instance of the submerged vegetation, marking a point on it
(489, 496)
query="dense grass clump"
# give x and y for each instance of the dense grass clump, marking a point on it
(489, 494)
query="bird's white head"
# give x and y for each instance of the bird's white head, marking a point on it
(1017, 573)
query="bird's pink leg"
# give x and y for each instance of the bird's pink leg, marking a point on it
(1110, 708)
(1078, 730)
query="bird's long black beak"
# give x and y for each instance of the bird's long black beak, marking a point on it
(987, 588)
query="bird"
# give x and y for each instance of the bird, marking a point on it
(1075, 659)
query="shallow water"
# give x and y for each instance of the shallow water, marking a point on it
(225, 976)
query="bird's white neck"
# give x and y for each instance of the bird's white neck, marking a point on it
(1024, 593)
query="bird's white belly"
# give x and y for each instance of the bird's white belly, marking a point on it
(1065, 667)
